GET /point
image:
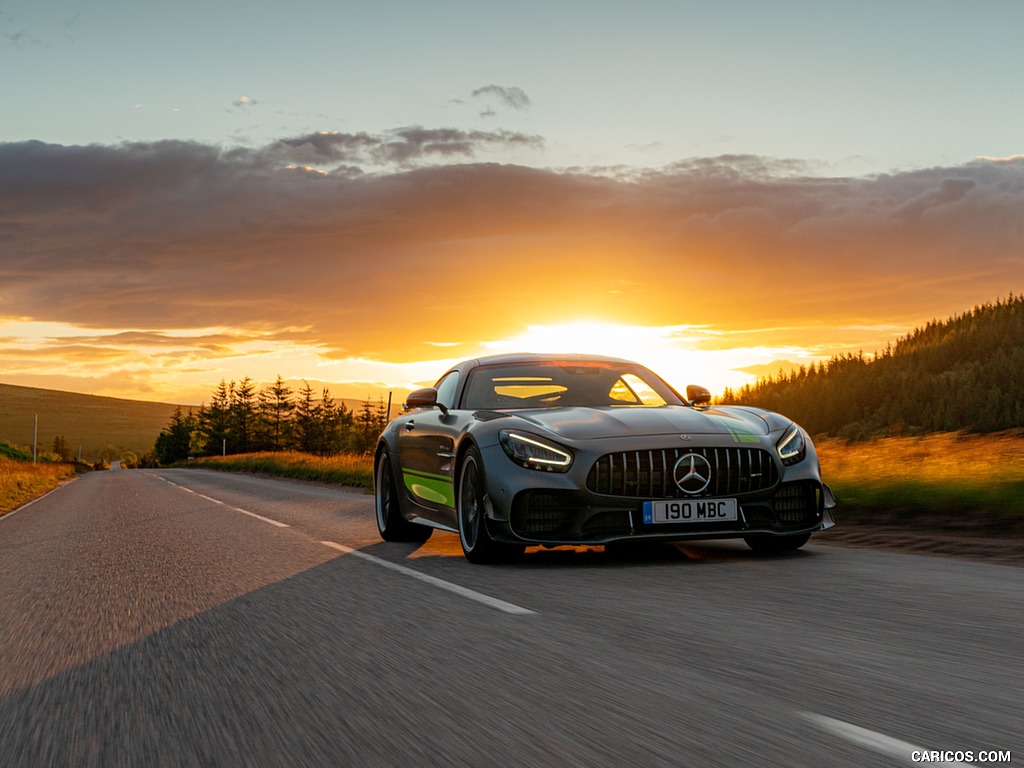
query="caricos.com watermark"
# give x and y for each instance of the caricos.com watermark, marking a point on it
(961, 756)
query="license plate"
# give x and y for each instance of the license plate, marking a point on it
(690, 511)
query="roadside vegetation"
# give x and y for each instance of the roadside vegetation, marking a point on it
(242, 420)
(21, 480)
(354, 470)
(951, 480)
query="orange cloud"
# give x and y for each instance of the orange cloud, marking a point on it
(380, 261)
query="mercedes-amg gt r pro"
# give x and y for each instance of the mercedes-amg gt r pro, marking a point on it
(517, 450)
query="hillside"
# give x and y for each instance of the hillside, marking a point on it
(963, 373)
(96, 424)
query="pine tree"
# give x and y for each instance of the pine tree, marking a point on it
(243, 415)
(174, 443)
(275, 409)
(215, 422)
(329, 419)
(366, 428)
(306, 421)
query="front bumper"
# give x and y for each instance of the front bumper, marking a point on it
(531, 507)
(569, 517)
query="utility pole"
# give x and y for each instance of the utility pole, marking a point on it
(35, 437)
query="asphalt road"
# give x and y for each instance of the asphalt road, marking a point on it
(182, 617)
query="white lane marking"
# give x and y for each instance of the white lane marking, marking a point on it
(879, 742)
(259, 517)
(491, 602)
(236, 509)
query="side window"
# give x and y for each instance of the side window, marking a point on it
(632, 390)
(446, 389)
(621, 393)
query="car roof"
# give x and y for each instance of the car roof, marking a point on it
(537, 357)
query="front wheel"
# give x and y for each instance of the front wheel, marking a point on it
(390, 523)
(768, 544)
(477, 544)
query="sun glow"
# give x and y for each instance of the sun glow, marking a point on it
(185, 365)
(682, 354)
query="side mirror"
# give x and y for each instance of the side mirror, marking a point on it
(424, 398)
(697, 394)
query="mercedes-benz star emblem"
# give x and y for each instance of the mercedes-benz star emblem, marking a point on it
(692, 473)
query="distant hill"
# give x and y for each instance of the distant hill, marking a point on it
(97, 425)
(94, 424)
(963, 373)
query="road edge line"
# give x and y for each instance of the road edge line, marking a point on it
(479, 597)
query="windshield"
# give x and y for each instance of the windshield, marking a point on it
(558, 384)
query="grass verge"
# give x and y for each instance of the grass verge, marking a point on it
(22, 481)
(949, 481)
(344, 469)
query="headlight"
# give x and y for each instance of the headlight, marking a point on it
(533, 453)
(792, 447)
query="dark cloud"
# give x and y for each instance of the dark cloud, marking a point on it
(20, 39)
(509, 96)
(17, 38)
(184, 235)
(402, 146)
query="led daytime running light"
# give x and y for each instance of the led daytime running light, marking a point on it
(533, 453)
(792, 447)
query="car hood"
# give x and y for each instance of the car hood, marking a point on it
(596, 423)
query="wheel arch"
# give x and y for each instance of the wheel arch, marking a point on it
(396, 470)
(461, 449)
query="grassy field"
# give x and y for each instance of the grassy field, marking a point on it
(94, 424)
(953, 480)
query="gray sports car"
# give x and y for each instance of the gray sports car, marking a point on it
(517, 450)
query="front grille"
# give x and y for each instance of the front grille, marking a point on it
(648, 474)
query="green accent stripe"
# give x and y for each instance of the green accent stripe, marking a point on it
(425, 475)
(436, 489)
(739, 436)
(739, 431)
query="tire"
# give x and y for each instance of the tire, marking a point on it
(390, 523)
(768, 544)
(477, 544)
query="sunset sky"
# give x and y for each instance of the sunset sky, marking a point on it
(358, 195)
